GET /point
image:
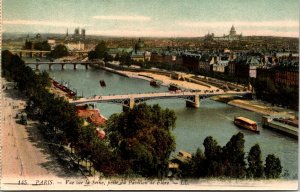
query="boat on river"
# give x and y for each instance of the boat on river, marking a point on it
(246, 124)
(102, 83)
(173, 87)
(155, 83)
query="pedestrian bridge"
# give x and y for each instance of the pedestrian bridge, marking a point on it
(192, 98)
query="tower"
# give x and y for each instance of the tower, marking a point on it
(83, 34)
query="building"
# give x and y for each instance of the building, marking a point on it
(139, 54)
(205, 63)
(285, 73)
(232, 36)
(166, 57)
(191, 61)
(76, 36)
(75, 46)
(244, 66)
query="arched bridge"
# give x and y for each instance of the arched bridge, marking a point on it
(39, 53)
(62, 63)
(192, 98)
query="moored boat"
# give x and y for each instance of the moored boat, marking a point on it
(102, 83)
(246, 124)
(173, 87)
(154, 83)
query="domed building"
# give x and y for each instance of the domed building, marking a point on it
(139, 46)
(232, 36)
(139, 54)
(232, 31)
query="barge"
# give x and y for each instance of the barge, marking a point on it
(173, 87)
(155, 83)
(281, 126)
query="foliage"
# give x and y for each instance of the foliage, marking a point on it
(273, 167)
(213, 155)
(142, 138)
(99, 52)
(59, 51)
(233, 156)
(125, 59)
(194, 168)
(255, 164)
(229, 161)
(59, 122)
(43, 46)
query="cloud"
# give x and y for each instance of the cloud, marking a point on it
(271, 33)
(41, 23)
(280, 23)
(123, 18)
(143, 33)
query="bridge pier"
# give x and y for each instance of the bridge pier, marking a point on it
(75, 66)
(131, 103)
(37, 67)
(50, 66)
(86, 66)
(195, 103)
(128, 104)
(62, 66)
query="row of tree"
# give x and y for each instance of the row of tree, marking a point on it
(139, 140)
(58, 119)
(229, 161)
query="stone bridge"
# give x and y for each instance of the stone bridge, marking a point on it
(62, 63)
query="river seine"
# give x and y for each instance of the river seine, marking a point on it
(192, 125)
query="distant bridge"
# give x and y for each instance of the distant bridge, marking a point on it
(192, 98)
(32, 52)
(62, 63)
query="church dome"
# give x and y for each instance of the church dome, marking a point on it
(139, 45)
(232, 31)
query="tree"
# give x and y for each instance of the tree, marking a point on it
(255, 164)
(273, 167)
(125, 59)
(108, 57)
(194, 168)
(213, 154)
(234, 156)
(59, 51)
(142, 138)
(43, 46)
(99, 51)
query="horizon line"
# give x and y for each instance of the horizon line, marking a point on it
(144, 36)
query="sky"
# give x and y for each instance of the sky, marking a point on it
(153, 18)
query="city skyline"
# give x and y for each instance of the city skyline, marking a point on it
(134, 18)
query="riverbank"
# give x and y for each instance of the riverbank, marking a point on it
(251, 105)
(255, 106)
(166, 80)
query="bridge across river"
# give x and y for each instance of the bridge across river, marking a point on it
(40, 53)
(62, 63)
(192, 98)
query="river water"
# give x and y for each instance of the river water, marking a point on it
(192, 125)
